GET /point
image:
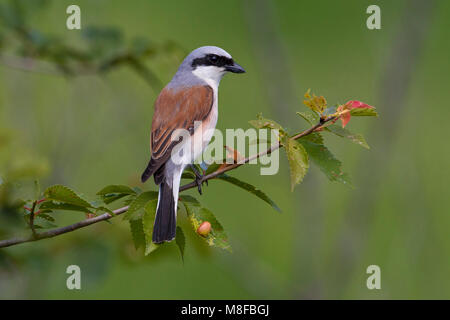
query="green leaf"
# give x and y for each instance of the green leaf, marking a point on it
(364, 112)
(148, 220)
(43, 223)
(45, 211)
(345, 133)
(137, 232)
(311, 117)
(115, 192)
(190, 200)
(181, 241)
(250, 188)
(262, 123)
(137, 190)
(116, 189)
(326, 161)
(197, 215)
(138, 203)
(63, 206)
(315, 137)
(298, 161)
(64, 194)
(45, 216)
(110, 198)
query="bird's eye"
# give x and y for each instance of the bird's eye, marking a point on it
(213, 58)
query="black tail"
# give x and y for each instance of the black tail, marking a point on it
(165, 221)
(151, 168)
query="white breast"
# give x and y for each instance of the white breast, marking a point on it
(202, 136)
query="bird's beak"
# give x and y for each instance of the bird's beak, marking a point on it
(235, 68)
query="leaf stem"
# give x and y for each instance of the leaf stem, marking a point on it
(31, 222)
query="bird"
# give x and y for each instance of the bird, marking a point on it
(189, 99)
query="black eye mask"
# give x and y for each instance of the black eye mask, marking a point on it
(212, 60)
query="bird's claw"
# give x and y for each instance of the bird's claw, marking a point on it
(198, 179)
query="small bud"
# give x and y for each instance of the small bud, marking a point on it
(204, 229)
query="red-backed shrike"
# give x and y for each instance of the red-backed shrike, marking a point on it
(190, 97)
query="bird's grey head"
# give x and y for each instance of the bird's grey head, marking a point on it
(206, 64)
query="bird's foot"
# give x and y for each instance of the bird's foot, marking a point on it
(198, 179)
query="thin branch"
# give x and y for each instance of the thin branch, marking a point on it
(106, 216)
(56, 232)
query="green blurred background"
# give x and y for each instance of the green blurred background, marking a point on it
(90, 131)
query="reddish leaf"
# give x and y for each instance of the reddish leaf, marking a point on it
(352, 104)
(345, 118)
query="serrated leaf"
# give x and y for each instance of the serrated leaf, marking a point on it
(180, 241)
(137, 232)
(45, 216)
(116, 189)
(148, 220)
(138, 203)
(344, 133)
(113, 193)
(64, 194)
(110, 198)
(311, 117)
(64, 206)
(197, 215)
(326, 161)
(250, 188)
(43, 223)
(262, 123)
(356, 108)
(298, 161)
